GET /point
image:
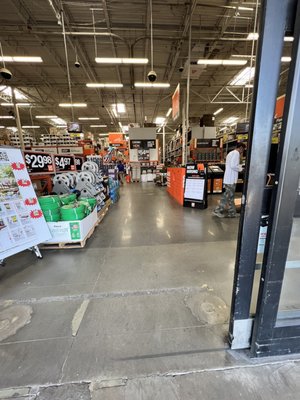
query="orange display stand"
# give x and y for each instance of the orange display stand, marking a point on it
(176, 179)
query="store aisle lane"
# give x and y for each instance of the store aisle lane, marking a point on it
(130, 303)
(147, 215)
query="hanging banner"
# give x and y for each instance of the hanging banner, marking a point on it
(176, 103)
(22, 224)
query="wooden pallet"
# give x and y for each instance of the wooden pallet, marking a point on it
(68, 245)
(101, 214)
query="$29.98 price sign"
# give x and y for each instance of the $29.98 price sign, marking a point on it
(39, 163)
(64, 163)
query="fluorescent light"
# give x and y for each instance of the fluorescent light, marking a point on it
(6, 117)
(104, 85)
(252, 36)
(120, 124)
(30, 126)
(221, 62)
(45, 116)
(241, 8)
(7, 90)
(116, 60)
(255, 36)
(249, 86)
(230, 120)
(169, 112)
(244, 76)
(218, 111)
(119, 108)
(72, 105)
(151, 85)
(88, 118)
(18, 104)
(59, 121)
(21, 59)
(242, 55)
(233, 124)
(98, 126)
(160, 120)
(103, 134)
(223, 129)
(61, 126)
(286, 59)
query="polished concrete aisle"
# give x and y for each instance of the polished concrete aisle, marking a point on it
(140, 313)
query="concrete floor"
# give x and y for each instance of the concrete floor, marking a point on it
(140, 313)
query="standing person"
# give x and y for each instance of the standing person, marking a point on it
(121, 170)
(226, 208)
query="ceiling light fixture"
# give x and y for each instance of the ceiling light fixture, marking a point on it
(241, 8)
(249, 86)
(255, 36)
(104, 85)
(169, 112)
(72, 105)
(18, 104)
(9, 59)
(218, 111)
(88, 118)
(288, 39)
(7, 117)
(230, 120)
(245, 76)
(221, 62)
(286, 59)
(119, 108)
(98, 126)
(118, 60)
(160, 120)
(151, 85)
(45, 116)
(2, 127)
(58, 121)
(120, 124)
(30, 126)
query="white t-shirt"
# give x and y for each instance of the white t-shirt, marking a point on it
(233, 168)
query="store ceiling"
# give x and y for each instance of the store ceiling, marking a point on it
(33, 28)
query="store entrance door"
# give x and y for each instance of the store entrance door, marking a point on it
(272, 326)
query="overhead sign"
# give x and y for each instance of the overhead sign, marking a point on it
(39, 162)
(143, 155)
(176, 103)
(22, 224)
(143, 144)
(64, 163)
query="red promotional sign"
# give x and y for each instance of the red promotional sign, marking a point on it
(176, 103)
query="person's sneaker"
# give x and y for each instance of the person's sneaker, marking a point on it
(218, 214)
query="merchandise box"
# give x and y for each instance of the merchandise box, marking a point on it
(72, 231)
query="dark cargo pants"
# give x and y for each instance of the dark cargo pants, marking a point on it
(227, 201)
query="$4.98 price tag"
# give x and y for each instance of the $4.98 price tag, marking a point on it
(38, 163)
(64, 163)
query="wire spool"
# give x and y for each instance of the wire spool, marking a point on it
(49, 202)
(52, 216)
(61, 178)
(91, 200)
(90, 166)
(73, 212)
(88, 208)
(86, 176)
(68, 198)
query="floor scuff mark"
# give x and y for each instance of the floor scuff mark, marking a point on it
(12, 319)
